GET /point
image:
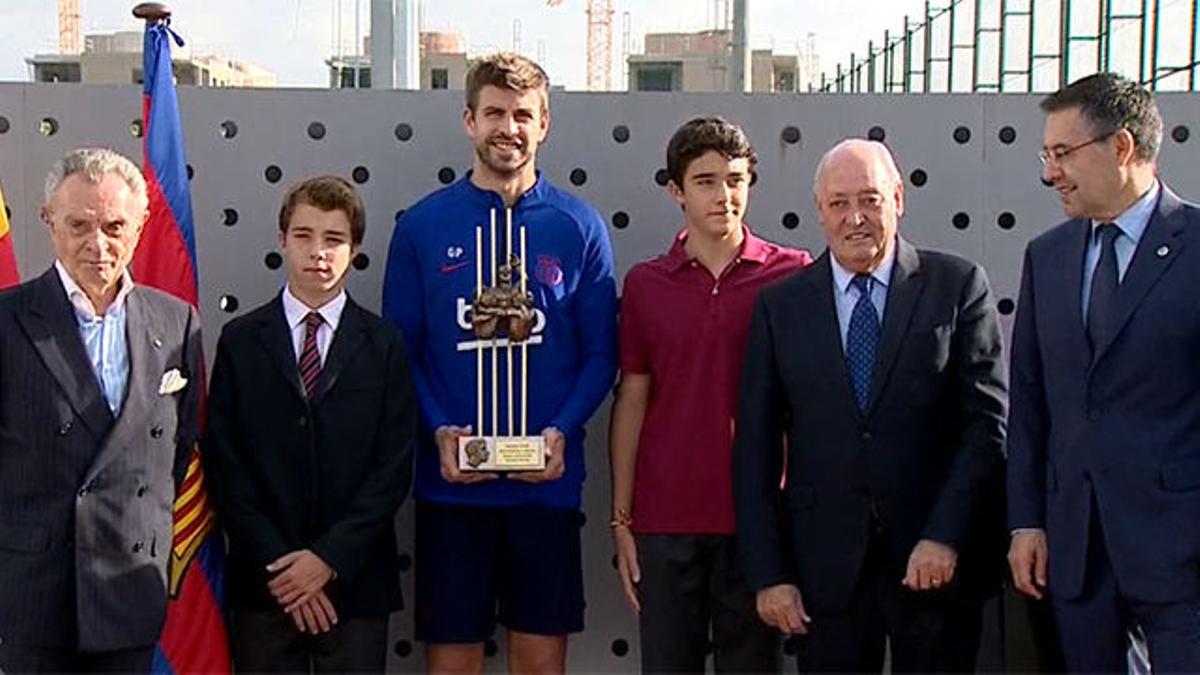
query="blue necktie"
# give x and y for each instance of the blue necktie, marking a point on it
(1104, 285)
(861, 340)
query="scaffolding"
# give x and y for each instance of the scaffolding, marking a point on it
(1027, 46)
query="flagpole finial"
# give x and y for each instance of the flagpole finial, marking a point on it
(152, 12)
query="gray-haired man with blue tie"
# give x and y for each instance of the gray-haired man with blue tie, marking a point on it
(874, 380)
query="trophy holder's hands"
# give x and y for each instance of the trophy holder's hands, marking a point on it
(556, 444)
(1027, 557)
(447, 442)
(930, 566)
(781, 606)
(628, 570)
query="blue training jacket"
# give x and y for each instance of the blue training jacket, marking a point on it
(428, 287)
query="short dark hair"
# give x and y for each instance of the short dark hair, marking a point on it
(1110, 102)
(700, 135)
(506, 70)
(328, 193)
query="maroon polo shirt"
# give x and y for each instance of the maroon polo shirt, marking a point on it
(688, 331)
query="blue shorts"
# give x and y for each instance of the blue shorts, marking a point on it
(475, 565)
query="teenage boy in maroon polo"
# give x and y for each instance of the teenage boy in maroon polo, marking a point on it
(684, 322)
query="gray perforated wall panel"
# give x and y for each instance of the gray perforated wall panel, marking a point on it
(990, 181)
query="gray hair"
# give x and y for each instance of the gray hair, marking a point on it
(892, 168)
(93, 164)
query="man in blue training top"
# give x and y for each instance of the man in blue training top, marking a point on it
(482, 538)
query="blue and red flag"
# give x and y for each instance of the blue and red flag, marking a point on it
(194, 637)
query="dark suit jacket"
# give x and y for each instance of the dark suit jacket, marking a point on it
(926, 456)
(85, 499)
(1120, 425)
(329, 475)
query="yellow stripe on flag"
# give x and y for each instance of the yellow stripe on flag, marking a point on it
(3, 216)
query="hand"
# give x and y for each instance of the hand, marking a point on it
(301, 575)
(447, 442)
(556, 444)
(1027, 559)
(627, 565)
(315, 616)
(780, 606)
(930, 567)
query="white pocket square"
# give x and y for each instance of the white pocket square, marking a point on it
(172, 381)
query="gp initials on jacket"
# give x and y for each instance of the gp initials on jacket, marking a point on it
(462, 313)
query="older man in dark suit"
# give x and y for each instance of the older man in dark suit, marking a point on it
(1104, 482)
(99, 382)
(874, 381)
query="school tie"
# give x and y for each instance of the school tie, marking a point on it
(1104, 285)
(310, 356)
(861, 340)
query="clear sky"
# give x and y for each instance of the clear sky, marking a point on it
(293, 37)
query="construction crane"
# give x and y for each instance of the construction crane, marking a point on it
(69, 39)
(599, 43)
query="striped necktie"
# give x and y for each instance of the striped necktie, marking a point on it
(310, 356)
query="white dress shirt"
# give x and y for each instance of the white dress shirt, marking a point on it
(331, 313)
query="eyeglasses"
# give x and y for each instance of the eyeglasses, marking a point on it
(1057, 155)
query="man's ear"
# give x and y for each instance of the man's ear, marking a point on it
(1125, 146)
(468, 118)
(675, 192)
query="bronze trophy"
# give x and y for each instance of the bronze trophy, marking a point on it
(502, 318)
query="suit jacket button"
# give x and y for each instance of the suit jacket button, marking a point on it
(866, 437)
(156, 432)
(138, 546)
(141, 491)
(64, 428)
(303, 421)
(83, 491)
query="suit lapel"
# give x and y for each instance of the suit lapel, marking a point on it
(903, 293)
(1147, 265)
(820, 304)
(276, 337)
(51, 326)
(347, 339)
(147, 362)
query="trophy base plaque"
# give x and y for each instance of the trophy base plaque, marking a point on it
(501, 453)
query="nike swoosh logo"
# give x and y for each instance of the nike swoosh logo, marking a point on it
(448, 268)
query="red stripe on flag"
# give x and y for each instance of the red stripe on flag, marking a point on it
(195, 630)
(162, 259)
(8, 263)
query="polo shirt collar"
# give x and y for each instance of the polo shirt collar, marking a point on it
(753, 249)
